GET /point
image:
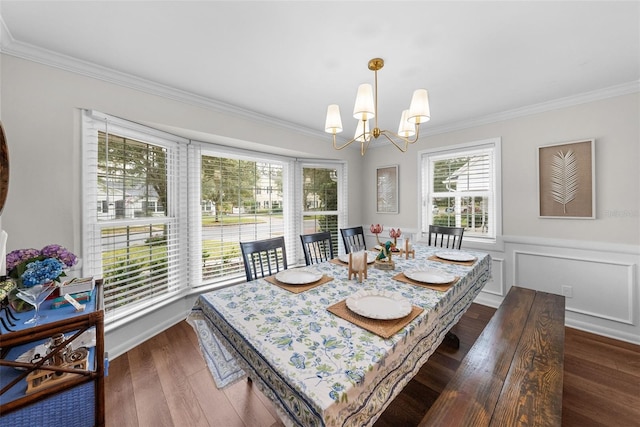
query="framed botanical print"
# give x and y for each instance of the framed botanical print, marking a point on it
(387, 189)
(566, 180)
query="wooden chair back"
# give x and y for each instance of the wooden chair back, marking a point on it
(353, 236)
(317, 247)
(263, 257)
(445, 237)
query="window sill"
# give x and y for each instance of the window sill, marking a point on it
(118, 320)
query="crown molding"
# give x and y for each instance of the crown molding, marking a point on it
(10, 46)
(556, 104)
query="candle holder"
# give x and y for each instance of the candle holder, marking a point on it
(394, 234)
(377, 229)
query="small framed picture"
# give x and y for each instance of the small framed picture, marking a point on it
(387, 189)
(566, 180)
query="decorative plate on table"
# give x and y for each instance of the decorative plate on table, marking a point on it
(371, 257)
(379, 304)
(298, 276)
(455, 256)
(429, 275)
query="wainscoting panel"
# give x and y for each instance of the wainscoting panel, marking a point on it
(496, 285)
(592, 287)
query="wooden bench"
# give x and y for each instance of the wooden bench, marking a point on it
(513, 373)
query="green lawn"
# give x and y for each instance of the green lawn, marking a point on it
(228, 220)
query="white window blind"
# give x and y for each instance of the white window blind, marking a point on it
(242, 198)
(459, 189)
(320, 205)
(136, 240)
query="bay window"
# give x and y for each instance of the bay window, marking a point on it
(164, 215)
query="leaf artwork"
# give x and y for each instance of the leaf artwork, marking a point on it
(564, 178)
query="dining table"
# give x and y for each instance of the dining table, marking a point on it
(330, 350)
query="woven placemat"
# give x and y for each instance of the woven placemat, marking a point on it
(346, 264)
(296, 289)
(400, 277)
(338, 262)
(384, 328)
(446, 261)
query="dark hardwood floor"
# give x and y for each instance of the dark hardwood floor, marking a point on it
(165, 382)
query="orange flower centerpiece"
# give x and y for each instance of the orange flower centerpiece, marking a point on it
(377, 229)
(394, 234)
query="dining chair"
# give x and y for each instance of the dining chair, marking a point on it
(445, 237)
(317, 247)
(263, 257)
(353, 236)
(450, 238)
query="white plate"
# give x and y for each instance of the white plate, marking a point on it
(455, 256)
(379, 304)
(429, 275)
(371, 257)
(298, 277)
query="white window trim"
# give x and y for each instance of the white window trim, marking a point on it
(425, 207)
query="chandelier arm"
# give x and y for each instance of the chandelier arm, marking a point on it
(391, 139)
(366, 135)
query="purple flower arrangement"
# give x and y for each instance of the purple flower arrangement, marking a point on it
(35, 267)
(61, 253)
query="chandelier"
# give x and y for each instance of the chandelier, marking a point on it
(366, 108)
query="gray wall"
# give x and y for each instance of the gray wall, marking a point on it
(612, 122)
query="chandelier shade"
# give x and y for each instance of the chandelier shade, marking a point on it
(419, 108)
(406, 128)
(334, 122)
(366, 109)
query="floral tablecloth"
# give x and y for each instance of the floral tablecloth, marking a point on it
(319, 369)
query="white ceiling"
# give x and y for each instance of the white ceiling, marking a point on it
(289, 60)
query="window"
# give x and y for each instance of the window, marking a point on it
(459, 189)
(320, 200)
(248, 199)
(132, 218)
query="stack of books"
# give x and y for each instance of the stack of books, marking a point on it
(79, 288)
(77, 285)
